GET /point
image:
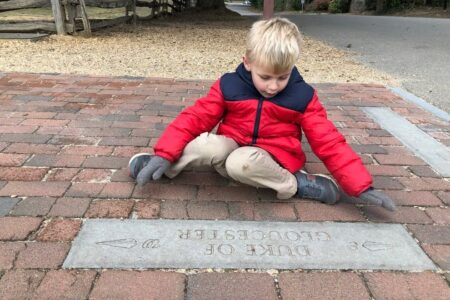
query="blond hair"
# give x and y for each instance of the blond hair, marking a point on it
(273, 44)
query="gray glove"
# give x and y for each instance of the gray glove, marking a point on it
(154, 169)
(377, 198)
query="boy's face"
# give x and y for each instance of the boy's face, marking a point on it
(266, 82)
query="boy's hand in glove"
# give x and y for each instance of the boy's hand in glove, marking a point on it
(145, 167)
(154, 169)
(377, 198)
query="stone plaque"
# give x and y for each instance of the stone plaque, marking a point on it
(106, 243)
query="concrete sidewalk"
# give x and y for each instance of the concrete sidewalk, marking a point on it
(64, 145)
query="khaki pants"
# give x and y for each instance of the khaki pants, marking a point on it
(250, 165)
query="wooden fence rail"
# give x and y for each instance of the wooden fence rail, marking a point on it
(21, 4)
(70, 16)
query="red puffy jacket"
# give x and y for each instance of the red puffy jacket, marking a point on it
(273, 124)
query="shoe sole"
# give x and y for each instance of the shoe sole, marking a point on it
(131, 159)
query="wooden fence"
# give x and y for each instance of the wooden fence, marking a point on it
(70, 16)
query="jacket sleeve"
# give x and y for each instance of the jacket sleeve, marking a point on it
(331, 147)
(201, 117)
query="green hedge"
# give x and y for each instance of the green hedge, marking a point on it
(339, 6)
(279, 5)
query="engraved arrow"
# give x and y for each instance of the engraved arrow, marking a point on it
(376, 246)
(121, 243)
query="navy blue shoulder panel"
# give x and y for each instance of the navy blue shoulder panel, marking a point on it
(296, 95)
(238, 86)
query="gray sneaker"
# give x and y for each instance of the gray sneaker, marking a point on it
(317, 187)
(137, 163)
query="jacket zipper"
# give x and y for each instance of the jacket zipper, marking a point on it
(257, 120)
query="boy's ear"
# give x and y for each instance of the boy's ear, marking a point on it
(247, 64)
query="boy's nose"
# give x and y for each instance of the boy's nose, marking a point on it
(273, 86)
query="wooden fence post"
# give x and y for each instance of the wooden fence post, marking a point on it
(85, 19)
(60, 17)
(268, 9)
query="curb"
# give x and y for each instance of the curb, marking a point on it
(420, 102)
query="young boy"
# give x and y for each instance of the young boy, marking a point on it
(262, 109)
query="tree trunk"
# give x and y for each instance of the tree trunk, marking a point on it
(211, 4)
(268, 8)
(381, 6)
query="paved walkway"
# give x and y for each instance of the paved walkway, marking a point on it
(64, 145)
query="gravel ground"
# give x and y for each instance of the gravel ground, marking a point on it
(188, 45)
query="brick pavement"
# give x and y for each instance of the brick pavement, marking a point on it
(64, 145)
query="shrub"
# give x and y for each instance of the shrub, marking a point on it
(318, 5)
(296, 4)
(257, 3)
(339, 6)
(399, 4)
(279, 5)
